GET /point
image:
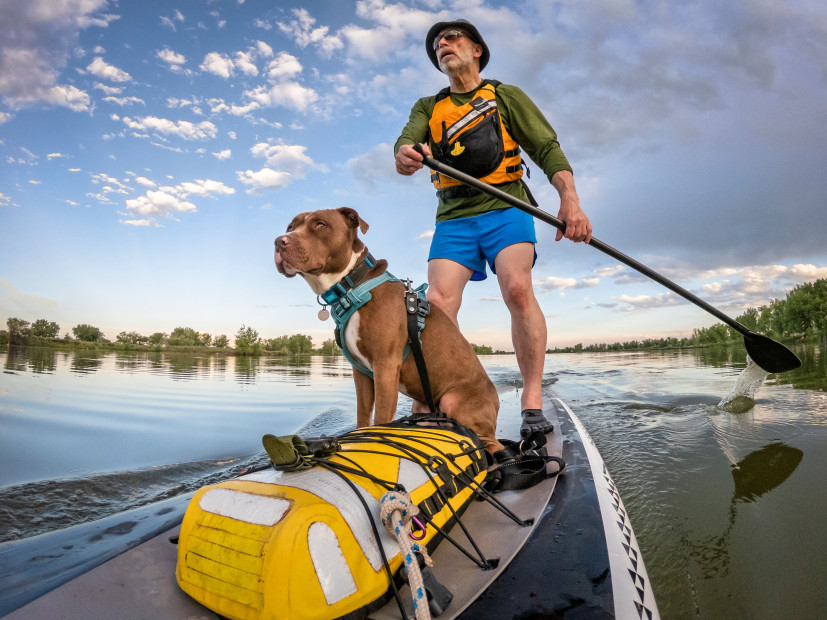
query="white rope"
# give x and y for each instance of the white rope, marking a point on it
(396, 513)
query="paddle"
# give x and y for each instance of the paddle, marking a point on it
(770, 355)
(758, 473)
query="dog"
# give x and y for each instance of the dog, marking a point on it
(324, 247)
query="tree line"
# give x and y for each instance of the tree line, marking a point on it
(802, 314)
(246, 342)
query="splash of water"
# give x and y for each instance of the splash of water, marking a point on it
(741, 398)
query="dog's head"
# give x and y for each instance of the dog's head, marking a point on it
(321, 246)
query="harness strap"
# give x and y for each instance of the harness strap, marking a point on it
(417, 309)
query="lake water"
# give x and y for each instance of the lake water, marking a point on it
(728, 503)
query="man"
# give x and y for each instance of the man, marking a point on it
(479, 128)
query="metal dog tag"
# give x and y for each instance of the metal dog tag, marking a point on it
(324, 314)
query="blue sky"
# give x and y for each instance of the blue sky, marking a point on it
(151, 152)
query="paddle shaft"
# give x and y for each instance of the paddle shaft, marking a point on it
(595, 243)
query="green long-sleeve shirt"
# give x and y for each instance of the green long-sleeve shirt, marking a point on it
(524, 122)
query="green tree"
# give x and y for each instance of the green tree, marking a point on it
(300, 344)
(131, 338)
(221, 342)
(277, 345)
(184, 337)
(45, 329)
(157, 339)
(205, 339)
(87, 333)
(18, 331)
(247, 341)
(329, 347)
(805, 308)
(749, 319)
(481, 349)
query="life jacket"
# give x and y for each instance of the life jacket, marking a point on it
(301, 545)
(472, 139)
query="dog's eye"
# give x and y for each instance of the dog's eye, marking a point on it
(289, 228)
(320, 225)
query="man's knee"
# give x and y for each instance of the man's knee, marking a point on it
(440, 298)
(519, 295)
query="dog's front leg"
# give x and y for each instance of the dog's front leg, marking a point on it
(386, 384)
(364, 398)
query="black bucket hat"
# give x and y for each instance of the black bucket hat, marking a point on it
(461, 24)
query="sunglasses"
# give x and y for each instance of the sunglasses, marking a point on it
(449, 35)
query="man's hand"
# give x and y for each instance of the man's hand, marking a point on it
(408, 160)
(578, 226)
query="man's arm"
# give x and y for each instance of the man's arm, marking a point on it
(535, 135)
(415, 131)
(578, 226)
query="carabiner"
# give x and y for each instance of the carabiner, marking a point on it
(420, 526)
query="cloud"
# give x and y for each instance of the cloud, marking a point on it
(225, 66)
(142, 223)
(14, 302)
(36, 41)
(244, 62)
(222, 155)
(264, 179)
(264, 50)
(51, 156)
(640, 303)
(553, 283)
(303, 31)
(108, 181)
(374, 167)
(173, 59)
(122, 101)
(283, 66)
(182, 129)
(109, 90)
(159, 203)
(218, 64)
(106, 71)
(169, 22)
(291, 157)
(290, 95)
(168, 200)
(204, 187)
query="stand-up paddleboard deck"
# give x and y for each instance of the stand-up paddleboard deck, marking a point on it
(580, 554)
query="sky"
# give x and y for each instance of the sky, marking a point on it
(152, 151)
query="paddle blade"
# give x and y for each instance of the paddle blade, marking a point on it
(763, 470)
(770, 355)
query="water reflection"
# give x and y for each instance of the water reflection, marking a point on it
(813, 372)
(85, 362)
(755, 475)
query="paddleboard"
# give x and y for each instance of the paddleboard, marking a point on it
(575, 551)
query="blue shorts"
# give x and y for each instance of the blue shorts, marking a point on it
(471, 241)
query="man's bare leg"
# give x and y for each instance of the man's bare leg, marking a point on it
(528, 327)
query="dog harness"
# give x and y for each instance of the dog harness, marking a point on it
(345, 298)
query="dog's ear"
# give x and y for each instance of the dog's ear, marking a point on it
(353, 219)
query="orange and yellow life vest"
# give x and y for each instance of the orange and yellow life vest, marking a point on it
(473, 139)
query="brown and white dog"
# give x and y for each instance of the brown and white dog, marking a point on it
(323, 247)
